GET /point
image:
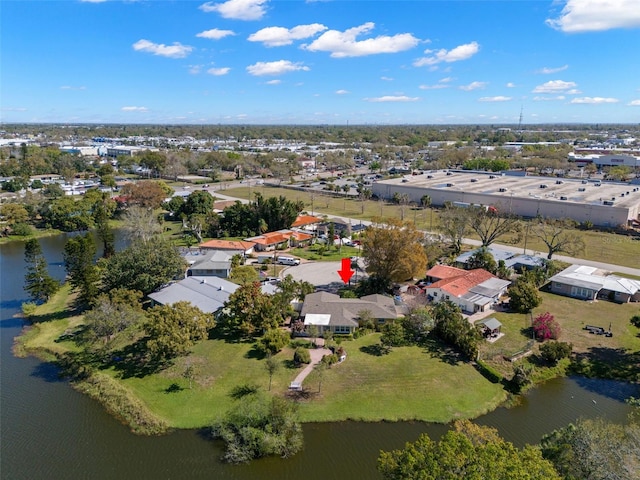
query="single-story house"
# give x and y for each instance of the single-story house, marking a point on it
(328, 311)
(589, 283)
(231, 246)
(209, 263)
(471, 290)
(462, 260)
(519, 263)
(307, 222)
(280, 240)
(207, 293)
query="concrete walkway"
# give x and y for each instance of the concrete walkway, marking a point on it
(316, 357)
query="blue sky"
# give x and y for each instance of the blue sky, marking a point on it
(320, 62)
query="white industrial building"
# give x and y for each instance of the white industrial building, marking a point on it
(609, 204)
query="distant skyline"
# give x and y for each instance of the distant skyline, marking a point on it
(320, 61)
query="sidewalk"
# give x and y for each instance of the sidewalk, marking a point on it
(316, 357)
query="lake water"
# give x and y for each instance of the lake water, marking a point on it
(49, 431)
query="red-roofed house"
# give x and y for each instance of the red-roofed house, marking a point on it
(472, 290)
(240, 246)
(306, 221)
(280, 240)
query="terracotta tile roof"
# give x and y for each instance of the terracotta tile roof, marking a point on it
(461, 284)
(272, 238)
(303, 220)
(301, 236)
(444, 271)
(228, 245)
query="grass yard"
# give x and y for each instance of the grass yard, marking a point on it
(313, 253)
(615, 356)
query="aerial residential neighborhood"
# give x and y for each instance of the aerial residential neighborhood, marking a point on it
(257, 239)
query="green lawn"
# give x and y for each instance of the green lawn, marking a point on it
(335, 254)
(573, 315)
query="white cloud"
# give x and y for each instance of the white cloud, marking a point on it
(499, 98)
(274, 82)
(342, 92)
(594, 100)
(473, 86)
(446, 80)
(275, 68)
(386, 79)
(215, 34)
(134, 109)
(93, 1)
(634, 103)
(218, 72)
(279, 36)
(548, 70)
(69, 87)
(195, 69)
(510, 85)
(177, 50)
(549, 99)
(461, 52)
(237, 9)
(392, 98)
(596, 15)
(345, 44)
(555, 86)
(437, 86)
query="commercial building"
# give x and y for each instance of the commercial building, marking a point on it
(609, 204)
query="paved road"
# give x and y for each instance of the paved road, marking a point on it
(578, 261)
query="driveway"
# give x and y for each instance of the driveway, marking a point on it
(322, 275)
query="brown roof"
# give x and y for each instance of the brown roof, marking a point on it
(461, 284)
(303, 220)
(228, 245)
(444, 271)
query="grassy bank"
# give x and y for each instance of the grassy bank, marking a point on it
(606, 357)
(409, 383)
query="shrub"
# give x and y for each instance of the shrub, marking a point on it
(545, 327)
(635, 321)
(28, 309)
(552, 352)
(273, 341)
(301, 355)
(488, 372)
(522, 373)
(22, 229)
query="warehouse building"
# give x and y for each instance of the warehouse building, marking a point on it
(608, 204)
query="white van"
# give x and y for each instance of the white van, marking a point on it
(288, 261)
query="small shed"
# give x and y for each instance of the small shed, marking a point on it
(491, 327)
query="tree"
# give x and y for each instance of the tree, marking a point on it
(467, 451)
(143, 266)
(417, 324)
(154, 161)
(244, 274)
(190, 373)
(483, 258)
(272, 366)
(112, 314)
(595, 450)
(102, 212)
(524, 296)
(68, 214)
(393, 251)
(425, 201)
(454, 329)
(273, 341)
(14, 213)
(173, 329)
(553, 352)
(559, 236)
(259, 426)
(199, 202)
(140, 223)
(393, 335)
(37, 280)
(454, 225)
(147, 194)
(78, 255)
(248, 312)
(489, 224)
(546, 327)
(635, 321)
(522, 373)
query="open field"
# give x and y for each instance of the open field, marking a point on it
(619, 351)
(599, 246)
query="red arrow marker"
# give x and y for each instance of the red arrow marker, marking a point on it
(346, 272)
